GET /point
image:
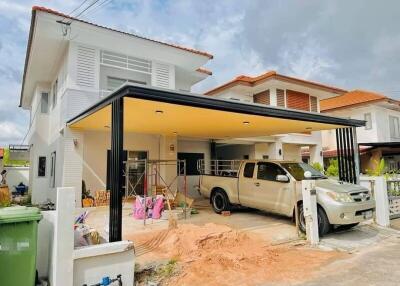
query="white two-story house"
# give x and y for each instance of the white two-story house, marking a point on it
(279, 90)
(380, 138)
(72, 64)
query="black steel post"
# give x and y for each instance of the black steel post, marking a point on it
(338, 153)
(346, 156)
(116, 176)
(353, 165)
(343, 155)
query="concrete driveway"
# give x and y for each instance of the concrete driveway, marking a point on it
(374, 252)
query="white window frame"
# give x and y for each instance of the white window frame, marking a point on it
(368, 124)
(42, 102)
(54, 93)
(53, 169)
(394, 126)
(45, 166)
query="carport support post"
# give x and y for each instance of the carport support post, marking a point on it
(116, 177)
(310, 210)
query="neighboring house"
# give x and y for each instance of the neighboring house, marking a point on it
(279, 90)
(72, 64)
(380, 138)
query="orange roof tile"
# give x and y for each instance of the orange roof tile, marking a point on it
(252, 81)
(355, 97)
(47, 10)
(203, 70)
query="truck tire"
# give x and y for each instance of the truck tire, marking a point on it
(220, 201)
(324, 226)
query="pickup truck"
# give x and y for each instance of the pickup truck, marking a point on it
(275, 186)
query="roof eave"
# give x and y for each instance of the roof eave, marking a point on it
(28, 51)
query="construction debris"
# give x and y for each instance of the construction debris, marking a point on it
(218, 255)
(225, 213)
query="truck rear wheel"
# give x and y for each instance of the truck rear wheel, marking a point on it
(220, 201)
(323, 222)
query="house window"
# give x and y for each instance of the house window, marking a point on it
(53, 170)
(280, 97)
(44, 102)
(42, 166)
(114, 83)
(262, 97)
(297, 100)
(55, 87)
(368, 121)
(394, 127)
(313, 104)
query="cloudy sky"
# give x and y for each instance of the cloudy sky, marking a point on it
(349, 44)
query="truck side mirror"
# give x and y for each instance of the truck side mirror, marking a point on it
(282, 178)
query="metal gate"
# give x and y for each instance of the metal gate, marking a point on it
(393, 189)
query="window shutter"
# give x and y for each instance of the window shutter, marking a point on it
(262, 97)
(280, 97)
(163, 76)
(314, 104)
(86, 67)
(297, 100)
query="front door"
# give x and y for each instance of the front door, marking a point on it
(272, 194)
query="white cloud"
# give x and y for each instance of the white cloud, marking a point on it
(348, 44)
(10, 132)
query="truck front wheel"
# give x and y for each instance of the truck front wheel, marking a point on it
(323, 222)
(220, 201)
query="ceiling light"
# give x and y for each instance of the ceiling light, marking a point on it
(175, 133)
(308, 128)
(246, 122)
(159, 112)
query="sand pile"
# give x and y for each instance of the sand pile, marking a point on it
(218, 255)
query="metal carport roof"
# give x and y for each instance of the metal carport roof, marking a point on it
(161, 111)
(142, 109)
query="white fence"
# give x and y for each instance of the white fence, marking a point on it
(378, 186)
(16, 175)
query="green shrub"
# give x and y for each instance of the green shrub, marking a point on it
(333, 168)
(317, 166)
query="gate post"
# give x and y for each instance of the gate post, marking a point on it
(382, 202)
(310, 209)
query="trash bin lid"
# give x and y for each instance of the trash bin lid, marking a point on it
(19, 214)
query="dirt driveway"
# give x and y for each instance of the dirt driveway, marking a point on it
(245, 248)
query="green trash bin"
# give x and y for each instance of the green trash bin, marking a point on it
(18, 245)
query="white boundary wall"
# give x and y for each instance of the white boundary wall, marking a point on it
(63, 265)
(379, 187)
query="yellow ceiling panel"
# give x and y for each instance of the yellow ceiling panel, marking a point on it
(153, 117)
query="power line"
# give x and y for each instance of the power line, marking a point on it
(73, 11)
(88, 7)
(70, 13)
(98, 7)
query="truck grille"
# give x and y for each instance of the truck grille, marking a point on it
(362, 196)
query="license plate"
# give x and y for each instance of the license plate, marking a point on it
(367, 214)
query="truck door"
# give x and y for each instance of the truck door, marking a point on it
(271, 194)
(246, 185)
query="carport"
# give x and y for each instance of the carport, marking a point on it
(149, 110)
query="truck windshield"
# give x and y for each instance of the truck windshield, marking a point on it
(297, 171)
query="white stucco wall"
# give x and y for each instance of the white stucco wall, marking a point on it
(95, 154)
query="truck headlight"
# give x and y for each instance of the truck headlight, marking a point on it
(340, 197)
